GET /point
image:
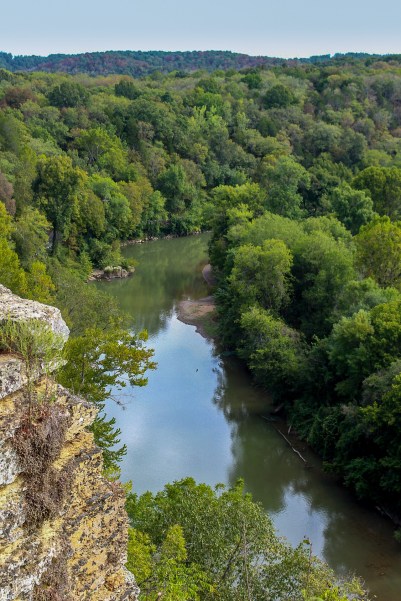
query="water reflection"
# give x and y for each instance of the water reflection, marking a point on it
(302, 500)
(167, 270)
(200, 416)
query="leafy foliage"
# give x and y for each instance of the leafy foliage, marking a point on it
(99, 365)
(294, 166)
(228, 545)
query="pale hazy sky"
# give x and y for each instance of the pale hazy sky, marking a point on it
(284, 28)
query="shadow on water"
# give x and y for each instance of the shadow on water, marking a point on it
(200, 416)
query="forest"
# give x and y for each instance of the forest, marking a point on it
(140, 63)
(296, 170)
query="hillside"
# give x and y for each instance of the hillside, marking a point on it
(297, 172)
(140, 63)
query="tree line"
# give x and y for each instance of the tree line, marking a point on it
(138, 63)
(296, 169)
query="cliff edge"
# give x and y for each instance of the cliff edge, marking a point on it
(63, 526)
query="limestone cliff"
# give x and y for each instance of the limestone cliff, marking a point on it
(63, 527)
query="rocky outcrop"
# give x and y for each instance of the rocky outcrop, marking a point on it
(111, 273)
(63, 526)
(19, 309)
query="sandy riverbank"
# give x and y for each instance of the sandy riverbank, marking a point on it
(198, 313)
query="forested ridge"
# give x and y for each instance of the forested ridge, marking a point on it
(134, 63)
(297, 172)
(138, 63)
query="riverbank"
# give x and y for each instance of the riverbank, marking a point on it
(200, 416)
(155, 238)
(200, 313)
(110, 273)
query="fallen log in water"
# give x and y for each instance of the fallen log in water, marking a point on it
(290, 444)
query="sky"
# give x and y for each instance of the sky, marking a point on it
(285, 28)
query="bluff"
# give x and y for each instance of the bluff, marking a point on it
(63, 526)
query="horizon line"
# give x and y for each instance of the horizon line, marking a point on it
(271, 56)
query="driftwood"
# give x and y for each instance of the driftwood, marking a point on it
(271, 419)
(290, 444)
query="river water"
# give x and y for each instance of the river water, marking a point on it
(199, 416)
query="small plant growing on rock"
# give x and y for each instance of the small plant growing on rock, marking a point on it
(42, 424)
(40, 350)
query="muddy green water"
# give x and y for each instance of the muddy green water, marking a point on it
(200, 416)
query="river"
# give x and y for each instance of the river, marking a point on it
(199, 416)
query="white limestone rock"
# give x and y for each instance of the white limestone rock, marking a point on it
(19, 309)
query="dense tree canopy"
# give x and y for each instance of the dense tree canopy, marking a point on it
(294, 167)
(190, 541)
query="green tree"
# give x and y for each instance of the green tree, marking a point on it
(278, 96)
(102, 151)
(6, 224)
(57, 186)
(381, 417)
(99, 361)
(182, 199)
(273, 351)
(353, 208)
(154, 214)
(68, 94)
(11, 274)
(247, 197)
(118, 216)
(261, 274)
(82, 306)
(283, 178)
(267, 226)
(13, 132)
(253, 80)
(90, 215)
(31, 236)
(364, 343)
(7, 194)
(127, 89)
(25, 173)
(323, 266)
(384, 186)
(244, 559)
(39, 284)
(379, 251)
(325, 175)
(329, 225)
(362, 294)
(163, 571)
(321, 137)
(348, 352)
